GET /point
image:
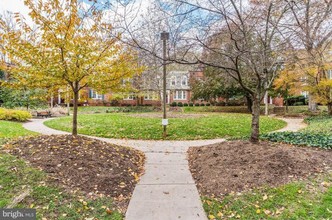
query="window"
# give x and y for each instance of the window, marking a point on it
(180, 95)
(130, 97)
(184, 80)
(95, 95)
(150, 96)
(173, 81)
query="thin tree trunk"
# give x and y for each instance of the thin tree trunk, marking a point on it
(329, 108)
(249, 103)
(75, 105)
(312, 104)
(255, 120)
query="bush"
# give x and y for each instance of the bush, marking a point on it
(298, 103)
(185, 104)
(207, 104)
(196, 104)
(180, 104)
(14, 115)
(299, 138)
(191, 104)
(202, 104)
(173, 104)
(220, 103)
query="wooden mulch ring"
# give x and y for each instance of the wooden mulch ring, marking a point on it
(93, 167)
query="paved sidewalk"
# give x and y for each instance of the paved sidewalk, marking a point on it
(167, 190)
(293, 124)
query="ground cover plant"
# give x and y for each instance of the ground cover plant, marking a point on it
(136, 126)
(317, 134)
(263, 181)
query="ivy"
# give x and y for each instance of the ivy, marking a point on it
(298, 138)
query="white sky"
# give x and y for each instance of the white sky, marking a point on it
(13, 6)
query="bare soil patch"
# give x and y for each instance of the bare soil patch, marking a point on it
(169, 115)
(91, 166)
(237, 166)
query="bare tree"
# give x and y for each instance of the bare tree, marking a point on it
(311, 26)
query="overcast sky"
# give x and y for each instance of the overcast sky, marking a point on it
(13, 6)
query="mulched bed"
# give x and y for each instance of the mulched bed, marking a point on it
(237, 166)
(91, 166)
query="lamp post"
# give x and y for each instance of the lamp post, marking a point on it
(164, 36)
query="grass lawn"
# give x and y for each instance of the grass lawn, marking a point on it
(130, 126)
(10, 129)
(50, 201)
(310, 199)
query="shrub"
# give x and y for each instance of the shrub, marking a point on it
(14, 115)
(196, 104)
(180, 104)
(299, 138)
(191, 104)
(185, 104)
(298, 103)
(220, 103)
(207, 104)
(173, 104)
(202, 104)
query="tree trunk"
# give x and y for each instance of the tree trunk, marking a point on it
(329, 108)
(75, 105)
(255, 120)
(249, 103)
(312, 104)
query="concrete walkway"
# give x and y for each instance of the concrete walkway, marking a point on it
(293, 124)
(167, 190)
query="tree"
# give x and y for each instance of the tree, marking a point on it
(243, 40)
(288, 83)
(71, 44)
(313, 40)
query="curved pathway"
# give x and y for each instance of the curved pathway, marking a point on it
(293, 124)
(167, 190)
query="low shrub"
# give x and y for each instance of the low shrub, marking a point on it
(202, 104)
(14, 115)
(180, 104)
(299, 138)
(207, 104)
(220, 103)
(191, 104)
(173, 104)
(196, 104)
(185, 104)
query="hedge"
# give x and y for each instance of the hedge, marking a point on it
(14, 115)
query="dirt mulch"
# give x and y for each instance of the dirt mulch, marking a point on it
(237, 166)
(91, 166)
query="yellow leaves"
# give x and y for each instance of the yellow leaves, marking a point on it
(265, 197)
(258, 211)
(212, 217)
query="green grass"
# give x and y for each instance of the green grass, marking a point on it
(129, 126)
(49, 201)
(298, 200)
(9, 129)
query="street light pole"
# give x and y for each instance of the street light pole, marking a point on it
(164, 36)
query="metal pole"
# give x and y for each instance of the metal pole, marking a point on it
(164, 37)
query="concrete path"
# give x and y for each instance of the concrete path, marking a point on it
(167, 190)
(293, 124)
